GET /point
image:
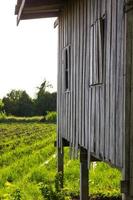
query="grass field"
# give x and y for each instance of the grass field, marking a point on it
(28, 160)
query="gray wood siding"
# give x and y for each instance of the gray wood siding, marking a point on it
(92, 115)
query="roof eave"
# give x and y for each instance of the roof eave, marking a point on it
(38, 9)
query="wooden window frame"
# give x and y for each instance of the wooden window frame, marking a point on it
(97, 41)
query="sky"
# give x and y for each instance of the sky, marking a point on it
(28, 53)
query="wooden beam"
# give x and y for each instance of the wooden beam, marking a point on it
(40, 11)
(39, 15)
(128, 135)
(43, 7)
(60, 163)
(84, 174)
(64, 142)
(93, 158)
(40, 5)
(20, 11)
(42, 2)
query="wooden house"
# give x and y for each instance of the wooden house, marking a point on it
(95, 81)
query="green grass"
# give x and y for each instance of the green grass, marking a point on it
(28, 158)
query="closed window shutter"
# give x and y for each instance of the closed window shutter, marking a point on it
(96, 52)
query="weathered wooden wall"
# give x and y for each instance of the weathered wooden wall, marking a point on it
(91, 113)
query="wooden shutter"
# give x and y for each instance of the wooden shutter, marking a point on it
(96, 52)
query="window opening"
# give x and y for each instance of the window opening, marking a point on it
(67, 63)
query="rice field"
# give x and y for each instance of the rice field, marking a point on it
(28, 160)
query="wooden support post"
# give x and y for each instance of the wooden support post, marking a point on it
(60, 163)
(127, 185)
(84, 174)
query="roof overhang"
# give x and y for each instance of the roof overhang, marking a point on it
(32, 9)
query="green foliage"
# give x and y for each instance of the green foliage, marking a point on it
(50, 193)
(58, 182)
(104, 180)
(1, 105)
(17, 195)
(2, 116)
(45, 102)
(43, 88)
(28, 166)
(24, 150)
(51, 117)
(18, 103)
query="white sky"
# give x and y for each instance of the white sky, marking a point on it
(28, 53)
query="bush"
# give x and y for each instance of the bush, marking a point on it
(1, 105)
(2, 116)
(17, 195)
(51, 117)
(54, 193)
(50, 194)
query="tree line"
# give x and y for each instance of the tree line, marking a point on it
(19, 103)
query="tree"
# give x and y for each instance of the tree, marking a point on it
(11, 102)
(43, 88)
(1, 105)
(45, 100)
(18, 103)
(25, 105)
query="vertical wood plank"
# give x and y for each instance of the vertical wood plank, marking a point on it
(108, 53)
(102, 53)
(62, 74)
(103, 5)
(72, 74)
(113, 82)
(120, 86)
(87, 75)
(77, 74)
(80, 72)
(74, 78)
(91, 53)
(84, 70)
(97, 115)
(92, 130)
(58, 88)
